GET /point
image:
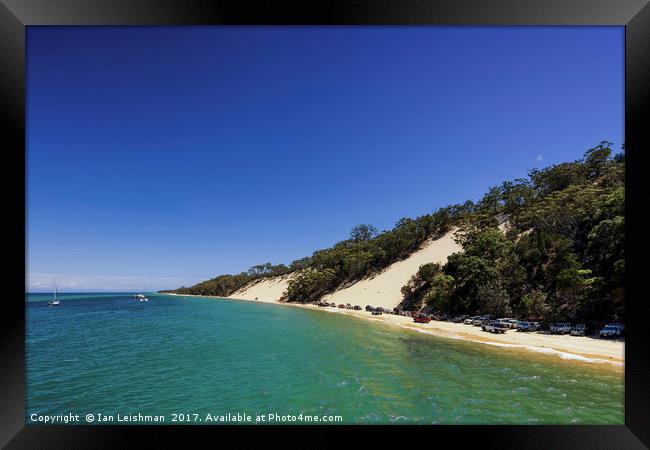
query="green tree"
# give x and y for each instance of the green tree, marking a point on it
(438, 297)
(534, 305)
(494, 299)
(363, 232)
(596, 158)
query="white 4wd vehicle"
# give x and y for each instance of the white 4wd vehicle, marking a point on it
(612, 330)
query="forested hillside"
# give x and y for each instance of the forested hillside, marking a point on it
(561, 256)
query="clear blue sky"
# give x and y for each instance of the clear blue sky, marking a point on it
(165, 156)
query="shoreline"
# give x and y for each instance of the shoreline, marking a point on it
(596, 353)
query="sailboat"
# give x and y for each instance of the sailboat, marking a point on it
(54, 301)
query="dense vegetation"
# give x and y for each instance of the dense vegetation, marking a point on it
(224, 285)
(561, 256)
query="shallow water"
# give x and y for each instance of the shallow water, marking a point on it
(108, 354)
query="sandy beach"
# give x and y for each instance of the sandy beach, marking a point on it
(597, 353)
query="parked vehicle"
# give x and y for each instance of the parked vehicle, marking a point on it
(561, 328)
(459, 319)
(469, 320)
(421, 319)
(369, 308)
(357, 308)
(513, 323)
(333, 305)
(478, 321)
(579, 330)
(544, 327)
(494, 326)
(507, 321)
(612, 330)
(528, 326)
(376, 312)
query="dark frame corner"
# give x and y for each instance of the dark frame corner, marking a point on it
(16, 15)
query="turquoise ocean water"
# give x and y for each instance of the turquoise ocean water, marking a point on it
(108, 354)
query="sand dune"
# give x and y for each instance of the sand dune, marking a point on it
(264, 290)
(384, 289)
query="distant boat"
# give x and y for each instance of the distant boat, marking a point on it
(54, 301)
(140, 298)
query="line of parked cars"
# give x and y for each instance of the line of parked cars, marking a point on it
(341, 306)
(488, 323)
(611, 330)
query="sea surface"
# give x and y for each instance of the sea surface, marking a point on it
(206, 361)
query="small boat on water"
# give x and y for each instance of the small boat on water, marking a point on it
(140, 298)
(54, 301)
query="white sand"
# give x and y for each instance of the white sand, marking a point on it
(264, 290)
(385, 288)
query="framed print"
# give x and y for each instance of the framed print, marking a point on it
(419, 219)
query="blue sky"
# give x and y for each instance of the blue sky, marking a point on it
(164, 156)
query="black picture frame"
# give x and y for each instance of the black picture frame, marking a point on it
(634, 15)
